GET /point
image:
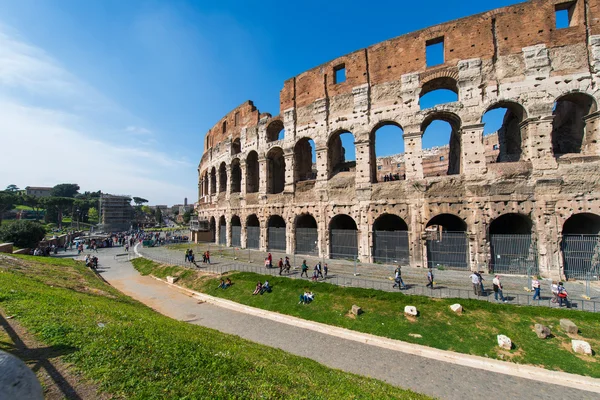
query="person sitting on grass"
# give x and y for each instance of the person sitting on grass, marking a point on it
(257, 289)
(222, 284)
(306, 297)
(227, 283)
(265, 288)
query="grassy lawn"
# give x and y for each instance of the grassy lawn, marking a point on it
(473, 332)
(133, 352)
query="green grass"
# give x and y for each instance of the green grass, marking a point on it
(140, 354)
(473, 332)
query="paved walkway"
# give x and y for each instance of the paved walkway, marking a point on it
(435, 378)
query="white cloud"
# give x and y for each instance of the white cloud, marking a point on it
(55, 140)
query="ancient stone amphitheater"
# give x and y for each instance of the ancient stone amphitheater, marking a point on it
(532, 205)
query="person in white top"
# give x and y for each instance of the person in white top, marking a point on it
(498, 289)
(535, 285)
(475, 281)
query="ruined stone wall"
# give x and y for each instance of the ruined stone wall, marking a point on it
(513, 57)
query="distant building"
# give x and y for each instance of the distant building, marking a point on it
(116, 212)
(38, 191)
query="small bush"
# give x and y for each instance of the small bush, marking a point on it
(24, 234)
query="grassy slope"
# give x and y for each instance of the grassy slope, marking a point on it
(474, 332)
(140, 354)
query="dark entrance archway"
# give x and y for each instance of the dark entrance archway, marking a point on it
(236, 231)
(275, 171)
(307, 235)
(222, 231)
(390, 240)
(343, 237)
(513, 249)
(252, 172)
(276, 233)
(213, 229)
(252, 232)
(222, 178)
(447, 242)
(580, 246)
(236, 176)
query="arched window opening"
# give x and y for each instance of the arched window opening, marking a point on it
(307, 235)
(236, 176)
(502, 132)
(236, 231)
(213, 229)
(343, 237)
(305, 167)
(213, 180)
(224, 127)
(447, 242)
(252, 232)
(387, 153)
(222, 231)
(513, 248)
(222, 177)
(390, 240)
(580, 247)
(252, 172)
(275, 131)
(341, 153)
(275, 171)
(438, 91)
(441, 145)
(236, 147)
(568, 125)
(206, 182)
(276, 233)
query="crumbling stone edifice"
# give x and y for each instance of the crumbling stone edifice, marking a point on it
(535, 206)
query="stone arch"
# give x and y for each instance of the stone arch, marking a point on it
(568, 125)
(275, 170)
(222, 230)
(307, 234)
(236, 146)
(390, 240)
(275, 131)
(343, 237)
(236, 231)
(435, 163)
(252, 232)
(223, 177)
(509, 142)
(580, 246)
(276, 238)
(447, 242)
(394, 163)
(213, 180)
(438, 90)
(236, 176)
(213, 229)
(304, 169)
(252, 172)
(513, 248)
(336, 154)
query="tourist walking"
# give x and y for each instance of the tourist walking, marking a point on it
(187, 255)
(430, 278)
(270, 259)
(325, 269)
(475, 281)
(280, 265)
(554, 290)
(563, 296)
(286, 264)
(399, 283)
(481, 289)
(304, 269)
(498, 289)
(318, 269)
(535, 286)
(208, 256)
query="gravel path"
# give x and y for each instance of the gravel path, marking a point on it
(435, 378)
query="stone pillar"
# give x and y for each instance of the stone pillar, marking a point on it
(414, 237)
(262, 176)
(363, 165)
(322, 173)
(210, 193)
(364, 238)
(263, 236)
(472, 156)
(536, 136)
(244, 172)
(591, 141)
(228, 229)
(290, 238)
(244, 236)
(413, 154)
(289, 173)
(228, 182)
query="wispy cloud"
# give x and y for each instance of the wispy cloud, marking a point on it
(49, 136)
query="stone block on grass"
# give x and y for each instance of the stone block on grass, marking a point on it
(542, 331)
(410, 311)
(457, 308)
(581, 347)
(504, 342)
(568, 326)
(356, 310)
(172, 279)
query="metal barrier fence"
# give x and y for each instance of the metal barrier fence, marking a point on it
(343, 244)
(514, 254)
(276, 238)
(253, 237)
(366, 283)
(581, 256)
(236, 236)
(307, 241)
(391, 247)
(222, 235)
(448, 250)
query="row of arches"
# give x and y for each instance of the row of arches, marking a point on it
(440, 128)
(510, 237)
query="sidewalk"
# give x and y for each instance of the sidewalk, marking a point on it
(435, 378)
(449, 283)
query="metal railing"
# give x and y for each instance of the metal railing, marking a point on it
(448, 250)
(514, 254)
(581, 256)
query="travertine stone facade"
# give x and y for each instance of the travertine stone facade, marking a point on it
(514, 57)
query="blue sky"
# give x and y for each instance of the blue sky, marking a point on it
(118, 95)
